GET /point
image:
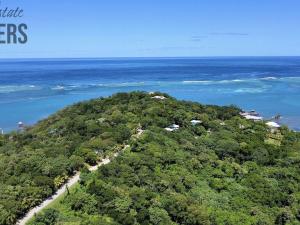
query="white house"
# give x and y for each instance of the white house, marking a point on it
(255, 118)
(195, 122)
(169, 129)
(159, 97)
(252, 115)
(273, 126)
(172, 128)
(21, 126)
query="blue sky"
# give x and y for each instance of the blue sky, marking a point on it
(156, 28)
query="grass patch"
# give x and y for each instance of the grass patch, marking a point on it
(271, 141)
(274, 139)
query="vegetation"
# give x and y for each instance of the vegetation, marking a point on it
(224, 170)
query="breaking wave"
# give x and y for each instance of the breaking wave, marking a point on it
(5, 89)
(249, 90)
(17, 88)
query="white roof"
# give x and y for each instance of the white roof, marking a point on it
(159, 97)
(196, 121)
(250, 117)
(173, 127)
(273, 124)
(169, 129)
(244, 113)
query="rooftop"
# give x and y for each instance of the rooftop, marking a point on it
(159, 97)
(250, 117)
(195, 122)
(273, 124)
(172, 127)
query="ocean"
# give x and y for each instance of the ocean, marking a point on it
(32, 89)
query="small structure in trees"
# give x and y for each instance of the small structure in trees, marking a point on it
(159, 97)
(196, 122)
(172, 128)
(251, 115)
(273, 126)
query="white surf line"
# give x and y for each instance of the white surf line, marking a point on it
(73, 180)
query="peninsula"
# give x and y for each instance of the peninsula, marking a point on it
(212, 166)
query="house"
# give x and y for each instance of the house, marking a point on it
(255, 118)
(175, 126)
(195, 122)
(159, 97)
(169, 129)
(21, 126)
(273, 126)
(172, 128)
(251, 115)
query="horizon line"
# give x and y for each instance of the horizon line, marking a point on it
(147, 57)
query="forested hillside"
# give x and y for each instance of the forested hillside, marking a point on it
(222, 170)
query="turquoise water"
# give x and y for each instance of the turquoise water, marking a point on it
(30, 90)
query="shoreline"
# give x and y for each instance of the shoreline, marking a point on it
(280, 121)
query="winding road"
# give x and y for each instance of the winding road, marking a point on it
(73, 180)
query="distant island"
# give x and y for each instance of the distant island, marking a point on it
(172, 162)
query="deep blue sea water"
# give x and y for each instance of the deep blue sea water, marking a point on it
(30, 90)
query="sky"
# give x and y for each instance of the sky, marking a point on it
(155, 28)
